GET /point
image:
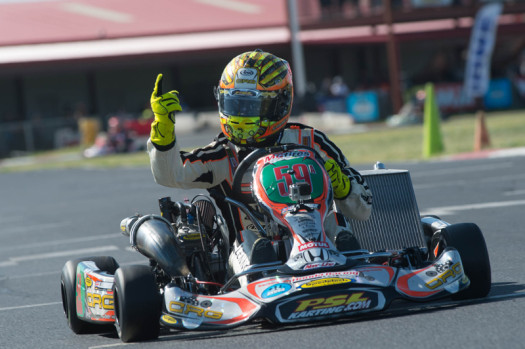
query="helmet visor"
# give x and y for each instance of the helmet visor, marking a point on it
(249, 103)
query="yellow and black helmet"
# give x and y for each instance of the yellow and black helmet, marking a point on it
(255, 97)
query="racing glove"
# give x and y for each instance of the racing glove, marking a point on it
(164, 107)
(340, 183)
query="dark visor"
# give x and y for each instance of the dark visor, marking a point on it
(248, 105)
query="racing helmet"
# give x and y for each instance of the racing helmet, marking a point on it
(254, 96)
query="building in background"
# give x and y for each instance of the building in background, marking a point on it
(61, 60)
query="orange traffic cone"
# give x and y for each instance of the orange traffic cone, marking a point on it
(481, 135)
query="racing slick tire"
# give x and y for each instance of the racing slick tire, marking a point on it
(137, 303)
(68, 291)
(468, 240)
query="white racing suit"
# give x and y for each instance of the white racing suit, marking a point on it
(212, 167)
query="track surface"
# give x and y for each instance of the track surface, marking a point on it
(48, 217)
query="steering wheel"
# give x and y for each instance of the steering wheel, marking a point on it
(243, 173)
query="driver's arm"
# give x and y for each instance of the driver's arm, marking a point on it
(200, 168)
(356, 203)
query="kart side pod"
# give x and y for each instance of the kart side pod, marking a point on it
(153, 236)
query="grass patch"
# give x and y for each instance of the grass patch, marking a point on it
(506, 130)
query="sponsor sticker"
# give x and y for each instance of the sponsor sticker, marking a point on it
(313, 244)
(349, 273)
(169, 319)
(276, 290)
(285, 155)
(193, 311)
(325, 282)
(192, 236)
(333, 303)
(100, 301)
(319, 265)
(246, 78)
(451, 273)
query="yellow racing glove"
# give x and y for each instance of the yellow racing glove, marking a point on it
(164, 107)
(340, 182)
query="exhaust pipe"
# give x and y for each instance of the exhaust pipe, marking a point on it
(153, 236)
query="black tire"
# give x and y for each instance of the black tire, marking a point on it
(137, 303)
(68, 291)
(468, 240)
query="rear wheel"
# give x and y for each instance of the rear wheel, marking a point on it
(68, 291)
(468, 240)
(137, 303)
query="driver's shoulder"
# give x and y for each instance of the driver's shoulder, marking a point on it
(296, 133)
(297, 126)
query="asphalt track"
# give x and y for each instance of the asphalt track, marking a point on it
(48, 217)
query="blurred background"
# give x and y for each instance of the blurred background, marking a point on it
(72, 70)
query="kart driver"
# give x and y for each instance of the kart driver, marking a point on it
(254, 96)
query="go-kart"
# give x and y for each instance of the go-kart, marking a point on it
(198, 279)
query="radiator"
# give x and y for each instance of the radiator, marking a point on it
(395, 222)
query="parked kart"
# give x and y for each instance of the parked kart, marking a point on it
(187, 284)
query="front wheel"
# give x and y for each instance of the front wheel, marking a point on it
(68, 291)
(137, 303)
(468, 240)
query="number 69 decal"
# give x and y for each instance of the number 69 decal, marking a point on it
(287, 175)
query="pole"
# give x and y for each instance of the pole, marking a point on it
(299, 70)
(393, 61)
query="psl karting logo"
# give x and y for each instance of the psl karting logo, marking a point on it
(340, 303)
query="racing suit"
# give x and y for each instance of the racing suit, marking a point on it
(213, 166)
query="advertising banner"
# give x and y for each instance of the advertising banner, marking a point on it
(499, 95)
(363, 106)
(477, 72)
(431, 3)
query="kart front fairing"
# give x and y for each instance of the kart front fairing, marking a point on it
(322, 295)
(281, 298)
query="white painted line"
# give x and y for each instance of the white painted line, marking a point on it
(57, 272)
(508, 152)
(29, 306)
(233, 5)
(514, 192)
(97, 12)
(12, 218)
(27, 276)
(64, 242)
(112, 345)
(35, 228)
(463, 169)
(452, 183)
(14, 260)
(450, 210)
